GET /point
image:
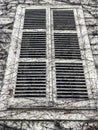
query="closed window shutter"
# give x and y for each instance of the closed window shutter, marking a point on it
(31, 75)
(49, 60)
(70, 80)
(31, 80)
(64, 20)
(66, 46)
(33, 45)
(35, 19)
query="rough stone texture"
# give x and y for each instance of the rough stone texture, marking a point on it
(48, 125)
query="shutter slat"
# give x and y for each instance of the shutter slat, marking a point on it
(71, 92)
(71, 89)
(70, 76)
(31, 88)
(70, 83)
(30, 91)
(28, 78)
(30, 95)
(69, 86)
(31, 85)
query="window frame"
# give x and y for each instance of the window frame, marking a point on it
(88, 63)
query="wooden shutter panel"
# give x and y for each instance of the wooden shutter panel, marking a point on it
(70, 79)
(64, 20)
(66, 46)
(35, 19)
(31, 75)
(33, 45)
(31, 80)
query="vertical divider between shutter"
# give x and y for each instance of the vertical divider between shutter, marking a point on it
(54, 91)
(49, 78)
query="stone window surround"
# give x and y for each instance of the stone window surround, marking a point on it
(11, 69)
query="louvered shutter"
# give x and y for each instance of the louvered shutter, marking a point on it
(70, 79)
(35, 19)
(63, 20)
(66, 46)
(31, 80)
(33, 45)
(50, 60)
(31, 76)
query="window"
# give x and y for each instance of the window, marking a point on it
(50, 61)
